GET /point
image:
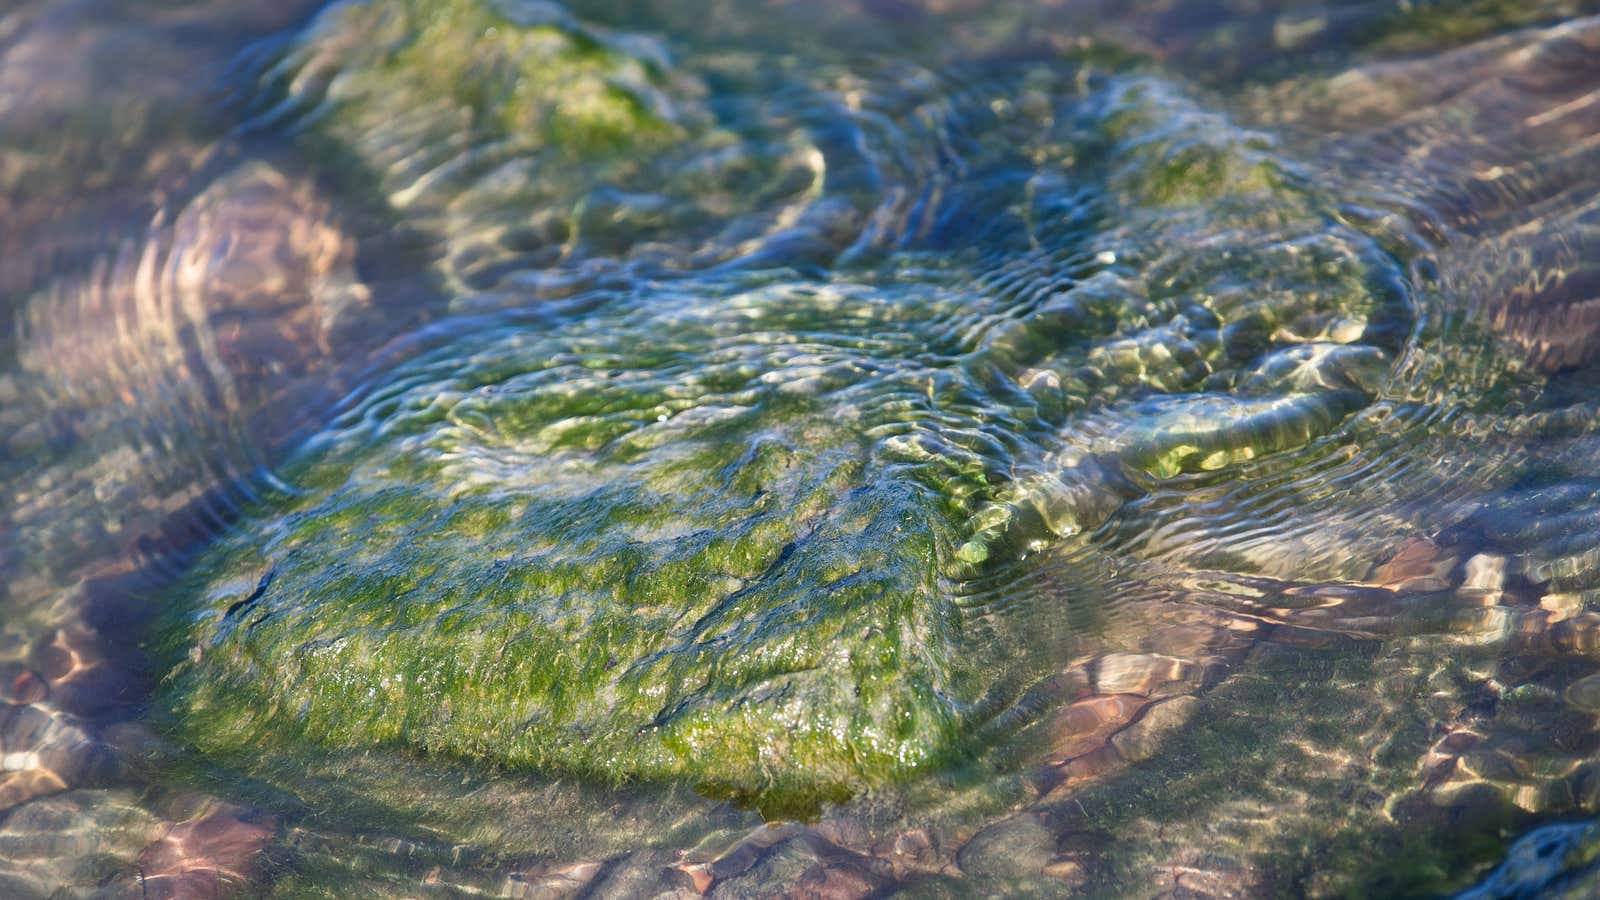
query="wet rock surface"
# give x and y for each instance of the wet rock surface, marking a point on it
(1030, 475)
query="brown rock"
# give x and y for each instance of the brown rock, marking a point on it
(1419, 565)
(1016, 848)
(1138, 673)
(1142, 739)
(552, 883)
(806, 866)
(1084, 726)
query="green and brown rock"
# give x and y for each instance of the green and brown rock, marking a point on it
(743, 533)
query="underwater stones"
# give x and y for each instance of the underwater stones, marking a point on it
(564, 880)
(636, 571)
(21, 686)
(1082, 484)
(783, 860)
(1169, 153)
(912, 851)
(1085, 725)
(216, 853)
(1138, 673)
(43, 752)
(806, 866)
(510, 132)
(1419, 565)
(69, 844)
(748, 531)
(1143, 739)
(1485, 575)
(646, 873)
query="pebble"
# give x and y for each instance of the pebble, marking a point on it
(1584, 694)
(1142, 739)
(1137, 673)
(552, 884)
(22, 685)
(1084, 726)
(647, 873)
(1016, 848)
(1419, 565)
(806, 866)
(215, 854)
(1485, 573)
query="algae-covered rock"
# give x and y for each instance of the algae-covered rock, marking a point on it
(578, 553)
(524, 72)
(748, 530)
(489, 124)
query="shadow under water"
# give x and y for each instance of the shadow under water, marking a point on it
(485, 447)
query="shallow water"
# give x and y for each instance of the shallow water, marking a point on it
(491, 447)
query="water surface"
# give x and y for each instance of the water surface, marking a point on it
(493, 447)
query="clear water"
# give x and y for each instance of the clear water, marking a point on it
(491, 447)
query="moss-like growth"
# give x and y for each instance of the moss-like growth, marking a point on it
(535, 78)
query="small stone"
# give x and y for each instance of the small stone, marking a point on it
(1419, 565)
(134, 744)
(909, 850)
(1017, 848)
(22, 685)
(1562, 606)
(1084, 726)
(1143, 738)
(1090, 766)
(1493, 764)
(1584, 694)
(1068, 871)
(1187, 640)
(806, 866)
(742, 854)
(1137, 673)
(208, 856)
(648, 873)
(1485, 572)
(553, 884)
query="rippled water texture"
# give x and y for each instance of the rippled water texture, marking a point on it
(462, 447)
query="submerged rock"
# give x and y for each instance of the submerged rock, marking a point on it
(604, 562)
(523, 139)
(743, 532)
